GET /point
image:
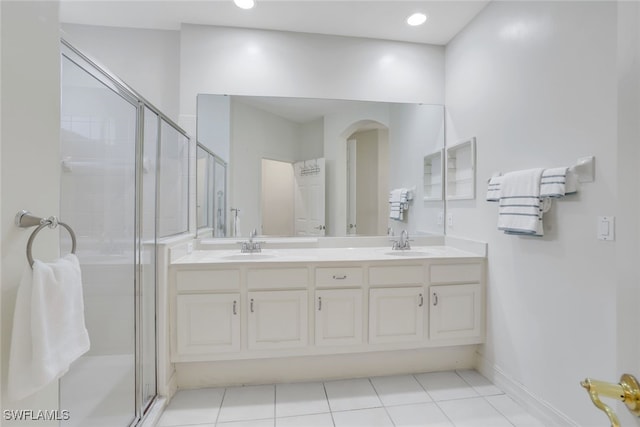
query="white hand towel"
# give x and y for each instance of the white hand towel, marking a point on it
(49, 332)
(553, 182)
(519, 211)
(494, 188)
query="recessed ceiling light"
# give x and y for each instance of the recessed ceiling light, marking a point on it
(245, 4)
(417, 19)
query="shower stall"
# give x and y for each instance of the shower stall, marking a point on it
(124, 185)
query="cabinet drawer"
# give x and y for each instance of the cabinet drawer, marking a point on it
(280, 278)
(207, 280)
(396, 275)
(339, 276)
(455, 273)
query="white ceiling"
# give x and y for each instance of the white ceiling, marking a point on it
(380, 19)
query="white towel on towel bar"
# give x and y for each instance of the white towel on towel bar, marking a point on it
(493, 188)
(557, 182)
(398, 203)
(49, 332)
(520, 210)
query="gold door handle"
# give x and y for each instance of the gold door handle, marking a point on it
(627, 391)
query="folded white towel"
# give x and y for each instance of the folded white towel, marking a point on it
(493, 188)
(49, 332)
(557, 182)
(520, 211)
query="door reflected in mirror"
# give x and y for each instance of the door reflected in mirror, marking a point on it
(367, 149)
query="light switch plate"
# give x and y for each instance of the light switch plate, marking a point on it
(606, 227)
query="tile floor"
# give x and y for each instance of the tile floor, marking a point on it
(453, 399)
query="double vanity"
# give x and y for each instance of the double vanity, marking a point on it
(310, 301)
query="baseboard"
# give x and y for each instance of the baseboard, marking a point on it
(538, 407)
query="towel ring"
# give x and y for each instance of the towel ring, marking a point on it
(25, 219)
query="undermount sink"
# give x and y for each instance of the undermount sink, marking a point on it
(407, 253)
(247, 257)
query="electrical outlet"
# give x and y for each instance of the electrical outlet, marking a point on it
(450, 220)
(189, 247)
(440, 218)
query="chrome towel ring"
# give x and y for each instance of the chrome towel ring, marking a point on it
(25, 219)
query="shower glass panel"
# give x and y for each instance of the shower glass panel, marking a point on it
(148, 257)
(220, 184)
(204, 184)
(173, 212)
(98, 198)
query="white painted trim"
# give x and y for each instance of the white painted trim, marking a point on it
(537, 406)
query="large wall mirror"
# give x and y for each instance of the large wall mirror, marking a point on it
(319, 167)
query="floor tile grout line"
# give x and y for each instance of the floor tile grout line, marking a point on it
(275, 402)
(499, 411)
(326, 395)
(435, 402)
(224, 393)
(381, 402)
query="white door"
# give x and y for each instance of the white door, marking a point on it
(338, 317)
(396, 315)
(309, 203)
(208, 323)
(455, 312)
(351, 187)
(277, 319)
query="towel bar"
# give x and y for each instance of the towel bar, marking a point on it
(24, 219)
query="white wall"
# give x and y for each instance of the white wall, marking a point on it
(214, 124)
(536, 83)
(628, 207)
(30, 156)
(269, 136)
(256, 62)
(311, 144)
(147, 60)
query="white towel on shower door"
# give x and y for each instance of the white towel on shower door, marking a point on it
(49, 331)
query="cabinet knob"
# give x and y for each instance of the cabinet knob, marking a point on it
(235, 305)
(421, 301)
(251, 305)
(335, 277)
(319, 303)
(435, 299)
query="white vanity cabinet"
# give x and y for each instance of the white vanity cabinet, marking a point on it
(277, 320)
(338, 317)
(207, 310)
(396, 315)
(456, 311)
(262, 309)
(338, 305)
(208, 323)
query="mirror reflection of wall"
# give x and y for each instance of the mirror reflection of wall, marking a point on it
(294, 130)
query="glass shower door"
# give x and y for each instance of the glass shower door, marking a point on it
(98, 196)
(147, 247)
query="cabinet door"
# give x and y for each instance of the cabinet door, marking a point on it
(396, 315)
(455, 312)
(208, 323)
(277, 319)
(338, 317)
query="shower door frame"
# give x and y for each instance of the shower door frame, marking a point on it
(101, 73)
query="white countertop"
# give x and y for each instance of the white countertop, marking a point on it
(322, 255)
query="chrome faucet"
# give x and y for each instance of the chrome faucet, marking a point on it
(402, 244)
(250, 246)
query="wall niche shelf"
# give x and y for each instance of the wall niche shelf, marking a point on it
(433, 173)
(461, 170)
